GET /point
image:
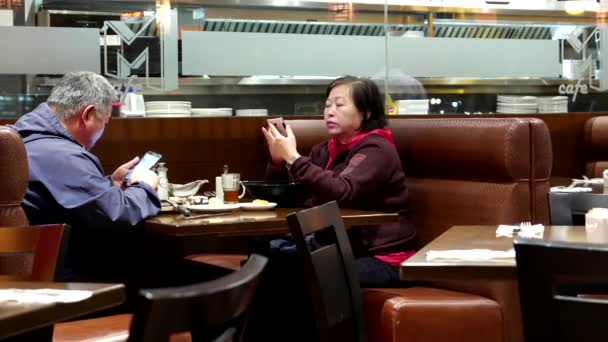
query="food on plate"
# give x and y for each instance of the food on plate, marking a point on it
(260, 202)
(215, 202)
(178, 200)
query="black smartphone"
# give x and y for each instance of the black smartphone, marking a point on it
(147, 161)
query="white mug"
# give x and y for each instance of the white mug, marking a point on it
(230, 186)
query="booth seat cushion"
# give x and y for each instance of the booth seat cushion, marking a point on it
(422, 314)
(596, 146)
(107, 329)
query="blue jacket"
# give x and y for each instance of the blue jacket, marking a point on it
(67, 185)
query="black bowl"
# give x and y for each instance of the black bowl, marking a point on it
(284, 193)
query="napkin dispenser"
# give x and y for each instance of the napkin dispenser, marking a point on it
(596, 225)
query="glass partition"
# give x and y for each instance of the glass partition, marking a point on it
(261, 57)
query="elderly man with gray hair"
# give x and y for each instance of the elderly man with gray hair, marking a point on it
(67, 183)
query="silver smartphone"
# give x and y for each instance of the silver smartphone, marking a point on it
(148, 161)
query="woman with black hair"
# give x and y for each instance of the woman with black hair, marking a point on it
(359, 167)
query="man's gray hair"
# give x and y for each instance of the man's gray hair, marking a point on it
(77, 90)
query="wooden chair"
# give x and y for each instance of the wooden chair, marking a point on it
(212, 311)
(330, 269)
(557, 281)
(43, 242)
(564, 207)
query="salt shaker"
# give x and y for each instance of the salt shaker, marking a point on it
(163, 182)
(219, 191)
(605, 177)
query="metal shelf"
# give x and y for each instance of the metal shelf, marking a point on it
(303, 86)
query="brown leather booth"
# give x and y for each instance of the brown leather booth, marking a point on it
(13, 184)
(461, 171)
(465, 171)
(13, 178)
(596, 146)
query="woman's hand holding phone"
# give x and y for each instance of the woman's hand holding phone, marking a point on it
(279, 124)
(282, 147)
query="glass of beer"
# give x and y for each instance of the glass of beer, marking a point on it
(231, 184)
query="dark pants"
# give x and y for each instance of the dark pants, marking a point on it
(375, 273)
(371, 271)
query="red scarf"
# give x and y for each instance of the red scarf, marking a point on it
(336, 147)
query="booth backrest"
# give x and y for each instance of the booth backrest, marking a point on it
(466, 171)
(596, 146)
(13, 184)
(13, 178)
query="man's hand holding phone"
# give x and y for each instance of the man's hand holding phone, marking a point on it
(139, 170)
(141, 174)
(118, 177)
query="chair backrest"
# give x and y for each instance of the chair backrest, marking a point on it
(211, 311)
(557, 281)
(334, 285)
(565, 206)
(13, 178)
(43, 242)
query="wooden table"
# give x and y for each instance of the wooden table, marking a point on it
(34, 321)
(478, 237)
(250, 223)
(483, 274)
(170, 237)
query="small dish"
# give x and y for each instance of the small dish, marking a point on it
(250, 206)
(206, 208)
(186, 190)
(198, 200)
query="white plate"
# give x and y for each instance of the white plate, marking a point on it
(168, 115)
(211, 115)
(251, 206)
(162, 111)
(163, 103)
(206, 208)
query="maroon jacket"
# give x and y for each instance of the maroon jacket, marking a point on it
(368, 176)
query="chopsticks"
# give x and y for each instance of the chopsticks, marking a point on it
(205, 216)
(182, 209)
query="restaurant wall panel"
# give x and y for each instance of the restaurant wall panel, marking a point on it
(48, 50)
(244, 54)
(193, 148)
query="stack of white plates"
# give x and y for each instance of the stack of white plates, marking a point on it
(211, 112)
(553, 104)
(252, 112)
(168, 108)
(412, 106)
(512, 104)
